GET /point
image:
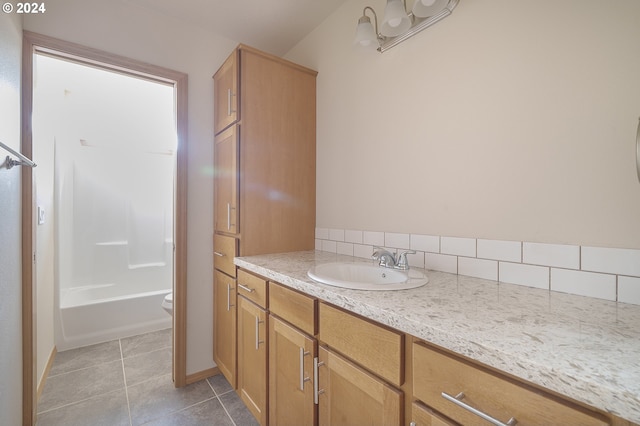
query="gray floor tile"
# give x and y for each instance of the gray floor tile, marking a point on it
(78, 385)
(158, 397)
(105, 410)
(88, 356)
(143, 343)
(219, 384)
(237, 410)
(148, 365)
(206, 413)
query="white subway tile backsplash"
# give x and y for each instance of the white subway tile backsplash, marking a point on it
(561, 256)
(336, 234)
(373, 238)
(458, 246)
(611, 260)
(427, 243)
(344, 248)
(606, 273)
(629, 290)
(479, 268)
(322, 233)
(441, 262)
(329, 246)
(394, 240)
(527, 275)
(416, 260)
(589, 284)
(509, 251)
(363, 251)
(353, 236)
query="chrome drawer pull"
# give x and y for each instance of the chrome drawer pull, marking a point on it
(258, 341)
(229, 305)
(302, 378)
(316, 390)
(229, 224)
(638, 151)
(245, 288)
(217, 253)
(458, 401)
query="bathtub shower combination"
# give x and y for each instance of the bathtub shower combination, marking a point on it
(114, 225)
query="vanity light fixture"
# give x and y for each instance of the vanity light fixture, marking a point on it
(398, 25)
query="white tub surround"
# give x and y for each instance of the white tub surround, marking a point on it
(581, 347)
(604, 273)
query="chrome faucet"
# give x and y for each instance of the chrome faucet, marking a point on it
(386, 259)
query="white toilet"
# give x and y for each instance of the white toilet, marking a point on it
(167, 303)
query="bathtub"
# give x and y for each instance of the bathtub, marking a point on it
(122, 300)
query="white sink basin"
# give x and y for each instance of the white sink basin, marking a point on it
(363, 276)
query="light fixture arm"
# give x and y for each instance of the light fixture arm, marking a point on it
(375, 19)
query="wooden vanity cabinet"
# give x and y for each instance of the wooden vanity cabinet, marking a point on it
(437, 374)
(224, 325)
(357, 360)
(225, 89)
(349, 395)
(253, 344)
(264, 196)
(292, 351)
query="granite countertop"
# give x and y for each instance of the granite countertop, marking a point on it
(587, 349)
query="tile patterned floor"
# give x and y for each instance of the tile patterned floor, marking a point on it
(128, 382)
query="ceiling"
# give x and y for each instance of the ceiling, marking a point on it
(271, 25)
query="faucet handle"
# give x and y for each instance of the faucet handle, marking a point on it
(403, 263)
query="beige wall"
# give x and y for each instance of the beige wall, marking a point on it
(10, 224)
(125, 29)
(511, 120)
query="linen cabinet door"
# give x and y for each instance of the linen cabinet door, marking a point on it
(225, 94)
(224, 325)
(252, 358)
(291, 355)
(225, 184)
(348, 395)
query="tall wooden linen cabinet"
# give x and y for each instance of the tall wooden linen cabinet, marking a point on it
(264, 193)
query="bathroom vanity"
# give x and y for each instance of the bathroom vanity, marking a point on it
(434, 354)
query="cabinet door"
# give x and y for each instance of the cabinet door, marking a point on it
(225, 94)
(252, 358)
(348, 395)
(225, 164)
(224, 325)
(291, 355)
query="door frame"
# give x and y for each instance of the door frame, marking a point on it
(33, 43)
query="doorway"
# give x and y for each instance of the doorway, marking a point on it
(168, 235)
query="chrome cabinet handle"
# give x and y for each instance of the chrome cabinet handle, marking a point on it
(638, 151)
(217, 253)
(245, 288)
(229, 224)
(258, 341)
(458, 401)
(229, 96)
(302, 378)
(229, 305)
(316, 391)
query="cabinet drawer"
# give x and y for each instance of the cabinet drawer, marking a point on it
(253, 288)
(373, 346)
(224, 250)
(436, 373)
(423, 416)
(293, 307)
